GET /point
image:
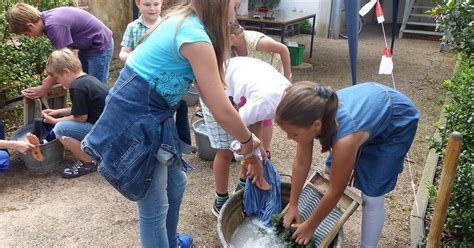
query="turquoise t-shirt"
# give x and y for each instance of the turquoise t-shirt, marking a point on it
(159, 61)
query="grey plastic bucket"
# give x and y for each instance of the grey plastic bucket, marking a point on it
(191, 97)
(53, 152)
(232, 216)
(205, 151)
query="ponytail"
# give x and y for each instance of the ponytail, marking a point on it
(304, 103)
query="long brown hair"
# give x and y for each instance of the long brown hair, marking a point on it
(304, 103)
(214, 16)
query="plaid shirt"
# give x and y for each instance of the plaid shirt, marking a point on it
(134, 32)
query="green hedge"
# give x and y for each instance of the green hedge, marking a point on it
(459, 114)
(23, 58)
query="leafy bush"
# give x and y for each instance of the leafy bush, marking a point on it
(23, 58)
(459, 115)
(305, 27)
(456, 19)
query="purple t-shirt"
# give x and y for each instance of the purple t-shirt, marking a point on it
(76, 29)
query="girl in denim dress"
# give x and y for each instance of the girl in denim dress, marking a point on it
(136, 140)
(367, 128)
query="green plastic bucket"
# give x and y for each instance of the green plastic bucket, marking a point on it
(296, 54)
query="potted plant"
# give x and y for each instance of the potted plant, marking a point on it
(263, 5)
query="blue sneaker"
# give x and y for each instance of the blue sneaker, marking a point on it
(184, 240)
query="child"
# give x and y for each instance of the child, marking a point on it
(261, 87)
(68, 27)
(136, 140)
(257, 45)
(87, 102)
(20, 146)
(367, 128)
(150, 10)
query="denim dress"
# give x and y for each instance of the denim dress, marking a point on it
(391, 120)
(135, 131)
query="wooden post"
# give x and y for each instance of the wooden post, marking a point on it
(445, 187)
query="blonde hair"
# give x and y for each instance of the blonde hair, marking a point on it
(62, 59)
(304, 103)
(236, 29)
(214, 16)
(21, 14)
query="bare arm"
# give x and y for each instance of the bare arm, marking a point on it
(39, 91)
(268, 44)
(344, 155)
(299, 173)
(65, 112)
(124, 53)
(20, 146)
(201, 55)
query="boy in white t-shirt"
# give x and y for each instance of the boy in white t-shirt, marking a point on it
(256, 88)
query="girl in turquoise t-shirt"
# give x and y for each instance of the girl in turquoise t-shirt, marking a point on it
(190, 43)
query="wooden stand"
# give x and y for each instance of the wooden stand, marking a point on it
(445, 187)
(56, 98)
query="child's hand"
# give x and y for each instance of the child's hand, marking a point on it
(291, 216)
(22, 146)
(304, 233)
(49, 119)
(34, 92)
(255, 171)
(50, 112)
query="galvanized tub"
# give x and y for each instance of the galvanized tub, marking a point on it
(205, 151)
(53, 152)
(232, 216)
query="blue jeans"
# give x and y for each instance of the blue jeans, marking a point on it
(159, 209)
(137, 146)
(98, 65)
(73, 129)
(4, 161)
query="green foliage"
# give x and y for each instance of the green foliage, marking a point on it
(23, 58)
(459, 115)
(285, 234)
(305, 26)
(456, 19)
(432, 192)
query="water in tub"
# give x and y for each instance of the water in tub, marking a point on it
(253, 233)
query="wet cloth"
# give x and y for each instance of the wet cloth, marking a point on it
(391, 120)
(263, 204)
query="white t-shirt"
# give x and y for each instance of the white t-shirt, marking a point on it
(259, 83)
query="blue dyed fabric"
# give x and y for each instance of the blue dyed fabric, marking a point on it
(264, 204)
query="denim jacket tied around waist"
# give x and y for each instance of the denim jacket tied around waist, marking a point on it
(135, 131)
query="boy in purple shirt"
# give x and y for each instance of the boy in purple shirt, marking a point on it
(68, 27)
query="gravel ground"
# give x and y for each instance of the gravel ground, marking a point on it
(48, 211)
